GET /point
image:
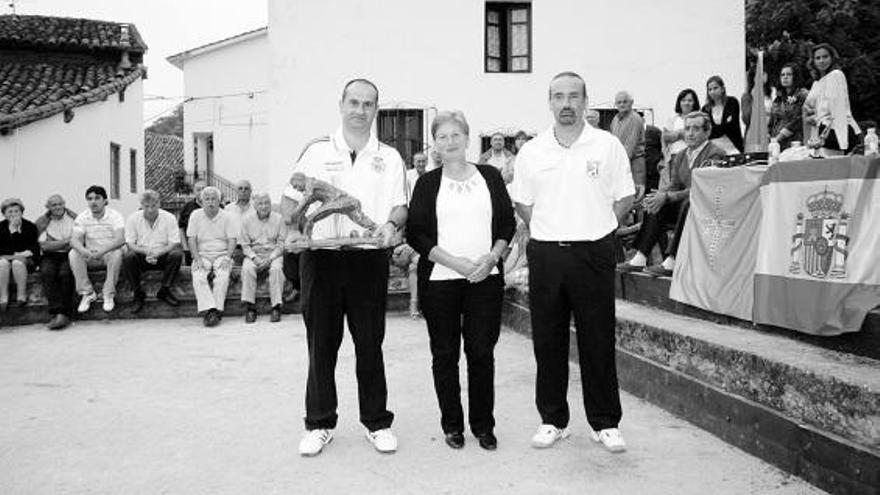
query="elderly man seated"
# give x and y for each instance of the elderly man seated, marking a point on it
(56, 230)
(670, 203)
(212, 235)
(153, 244)
(98, 236)
(263, 232)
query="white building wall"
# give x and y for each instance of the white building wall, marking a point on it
(424, 54)
(48, 156)
(238, 123)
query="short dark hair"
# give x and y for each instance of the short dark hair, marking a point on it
(682, 94)
(696, 114)
(568, 73)
(99, 190)
(360, 80)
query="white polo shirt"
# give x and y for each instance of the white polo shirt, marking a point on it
(98, 232)
(377, 178)
(572, 190)
(163, 232)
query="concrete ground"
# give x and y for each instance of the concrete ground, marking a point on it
(169, 407)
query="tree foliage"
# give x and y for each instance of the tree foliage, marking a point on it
(786, 29)
(171, 124)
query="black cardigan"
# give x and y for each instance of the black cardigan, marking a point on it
(16, 243)
(729, 125)
(421, 225)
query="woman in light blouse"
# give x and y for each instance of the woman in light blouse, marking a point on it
(828, 121)
(460, 222)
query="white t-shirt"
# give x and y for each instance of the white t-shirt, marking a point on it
(377, 179)
(572, 190)
(464, 222)
(98, 232)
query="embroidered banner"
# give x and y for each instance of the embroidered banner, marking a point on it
(715, 264)
(818, 267)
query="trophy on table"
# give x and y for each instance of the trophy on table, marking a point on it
(330, 200)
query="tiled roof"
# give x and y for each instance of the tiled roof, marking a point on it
(64, 33)
(163, 158)
(49, 65)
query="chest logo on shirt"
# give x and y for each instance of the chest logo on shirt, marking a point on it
(378, 164)
(592, 168)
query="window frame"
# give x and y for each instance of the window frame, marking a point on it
(115, 169)
(505, 33)
(132, 170)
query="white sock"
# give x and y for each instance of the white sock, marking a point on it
(669, 263)
(638, 259)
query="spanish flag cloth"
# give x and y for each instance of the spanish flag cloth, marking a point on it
(818, 267)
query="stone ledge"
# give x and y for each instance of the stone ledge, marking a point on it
(810, 411)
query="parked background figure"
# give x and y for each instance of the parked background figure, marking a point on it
(212, 235)
(56, 229)
(629, 127)
(786, 114)
(828, 120)
(593, 118)
(183, 219)
(98, 237)
(153, 242)
(19, 251)
(497, 155)
(460, 222)
(263, 232)
(724, 112)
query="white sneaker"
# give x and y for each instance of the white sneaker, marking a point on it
(611, 439)
(313, 441)
(87, 301)
(547, 435)
(109, 304)
(383, 440)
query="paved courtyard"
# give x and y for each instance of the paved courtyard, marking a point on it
(168, 407)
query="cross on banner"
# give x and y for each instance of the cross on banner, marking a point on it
(716, 228)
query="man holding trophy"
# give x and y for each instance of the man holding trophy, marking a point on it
(344, 206)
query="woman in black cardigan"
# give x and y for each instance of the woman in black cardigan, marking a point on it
(460, 222)
(19, 250)
(724, 111)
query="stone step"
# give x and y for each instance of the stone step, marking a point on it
(36, 310)
(811, 411)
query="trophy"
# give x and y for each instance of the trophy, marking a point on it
(330, 200)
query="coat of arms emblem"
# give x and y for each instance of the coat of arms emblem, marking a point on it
(819, 244)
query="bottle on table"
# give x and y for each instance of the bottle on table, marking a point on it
(872, 142)
(773, 151)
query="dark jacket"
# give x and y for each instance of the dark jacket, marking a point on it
(421, 225)
(680, 171)
(729, 125)
(18, 242)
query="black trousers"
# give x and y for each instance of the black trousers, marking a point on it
(291, 269)
(653, 224)
(58, 283)
(135, 264)
(352, 285)
(574, 278)
(456, 309)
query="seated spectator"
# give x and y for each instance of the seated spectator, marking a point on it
(724, 112)
(212, 235)
(183, 221)
(497, 155)
(629, 128)
(238, 209)
(671, 204)
(653, 156)
(98, 237)
(786, 114)
(153, 244)
(56, 229)
(19, 251)
(262, 240)
(686, 102)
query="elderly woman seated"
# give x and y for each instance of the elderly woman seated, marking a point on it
(212, 235)
(263, 232)
(19, 250)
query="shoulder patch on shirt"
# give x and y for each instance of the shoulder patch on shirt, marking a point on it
(322, 139)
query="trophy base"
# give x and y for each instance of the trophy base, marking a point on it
(333, 243)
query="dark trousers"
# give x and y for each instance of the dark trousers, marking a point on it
(654, 224)
(574, 278)
(135, 264)
(456, 309)
(58, 283)
(338, 284)
(291, 269)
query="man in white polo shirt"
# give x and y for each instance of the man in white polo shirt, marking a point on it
(351, 282)
(98, 236)
(572, 184)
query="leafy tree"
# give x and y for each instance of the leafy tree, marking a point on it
(786, 29)
(171, 124)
